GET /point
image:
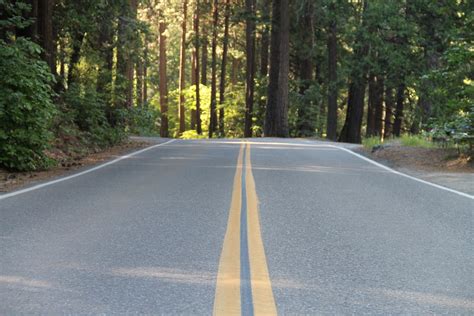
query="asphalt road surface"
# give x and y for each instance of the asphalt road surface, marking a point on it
(263, 226)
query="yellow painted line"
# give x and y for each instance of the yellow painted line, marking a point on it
(227, 298)
(263, 300)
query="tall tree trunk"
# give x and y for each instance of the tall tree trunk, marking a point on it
(130, 59)
(139, 74)
(378, 125)
(45, 32)
(205, 43)
(304, 125)
(259, 112)
(105, 75)
(213, 107)
(204, 57)
(163, 82)
(193, 83)
(182, 69)
(370, 131)
(250, 71)
(62, 66)
(193, 67)
(125, 64)
(265, 42)
(77, 39)
(225, 49)
(197, 43)
(145, 73)
(322, 105)
(355, 105)
(389, 106)
(331, 125)
(271, 117)
(397, 125)
(139, 82)
(276, 116)
(432, 62)
(234, 71)
(121, 72)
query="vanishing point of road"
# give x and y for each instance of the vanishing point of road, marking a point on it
(258, 226)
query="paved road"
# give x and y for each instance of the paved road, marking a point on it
(176, 230)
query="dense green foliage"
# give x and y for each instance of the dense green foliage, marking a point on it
(26, 108)
(412, 62)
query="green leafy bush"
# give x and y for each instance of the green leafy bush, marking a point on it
(143, 121)
(192, 134)
(87, 112)
(26, 109)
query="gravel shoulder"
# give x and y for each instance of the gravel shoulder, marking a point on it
(437, 165)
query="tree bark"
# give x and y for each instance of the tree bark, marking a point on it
(355, 105)
(397, 125)
(213, 107)
(250, 71)
(304, 125)
(389, 106)
(139, 82)
(197, 44)
(145, 73)
(331, 125)
(182, 69)
(276, 116)
(205, 42)
(370, 130)
(130, 58)
(265, 41)
(163, 81)
(125, 64)
(193, 83)
(234, 71)
(379, 92)
(105, 74)
(78, 38)
(45, 32)
(204, 57)
(225, 48)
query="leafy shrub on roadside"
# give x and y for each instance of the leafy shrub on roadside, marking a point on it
(88, 111)
(459, 131)
(143, 121)
(26, 109)
(192, 134)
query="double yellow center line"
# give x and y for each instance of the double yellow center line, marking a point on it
(243, 282)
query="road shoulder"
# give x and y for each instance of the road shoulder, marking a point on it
(11, 181)
(429, 165)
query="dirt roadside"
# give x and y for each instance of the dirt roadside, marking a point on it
(10, 181)
(437, 165)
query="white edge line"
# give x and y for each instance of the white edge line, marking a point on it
(403, 174)
(42, 185)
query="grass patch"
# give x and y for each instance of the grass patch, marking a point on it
(416, 141)
(370, 142)
(405, 140)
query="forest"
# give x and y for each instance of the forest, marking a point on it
(87, 73)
